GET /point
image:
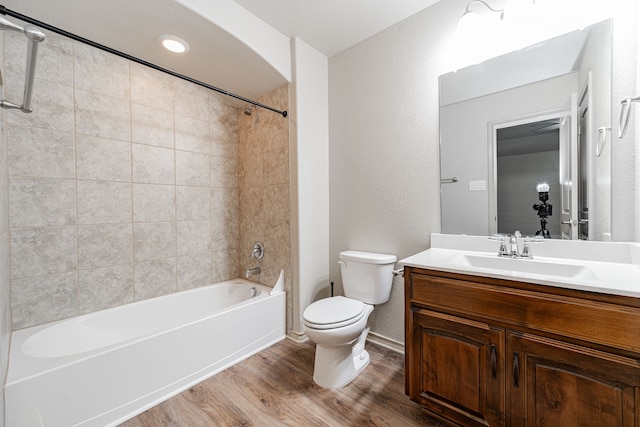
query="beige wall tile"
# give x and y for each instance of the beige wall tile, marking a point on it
(192, 134)
(104, 245)
(100, 72)
(194, 271)
(152, 126)
(104, 202)
(151, 88)
(38, 202)
(52, 105)
(42, 250)
(44, 299)
(224, 172)
(154, 278)
(224, 266)
(224, 233)
(154, 240)
(193, 203)
(251, 202)
(153, 165)
(40, 152)
(102, 115)
(154, 202)
(55, 59)
(194, 237)
(191, 100)
(276, 163)
(161, 155)
(224, 203)
(103, 159)
(192, 169)
(102, 288)
(277, 203)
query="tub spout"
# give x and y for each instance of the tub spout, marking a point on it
(251, 271)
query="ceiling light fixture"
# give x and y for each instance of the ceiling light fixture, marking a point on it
(174, 44)
(471, 15)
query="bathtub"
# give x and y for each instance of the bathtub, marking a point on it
(103, 368)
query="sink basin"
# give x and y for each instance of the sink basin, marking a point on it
(525, 266)
(603, 267)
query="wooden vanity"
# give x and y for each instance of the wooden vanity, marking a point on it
(493, 352)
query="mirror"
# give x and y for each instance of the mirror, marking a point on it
(537, 116)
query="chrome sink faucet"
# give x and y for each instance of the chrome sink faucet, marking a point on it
(513, 245)
(510, 248)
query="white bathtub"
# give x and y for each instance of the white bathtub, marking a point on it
(103, 368)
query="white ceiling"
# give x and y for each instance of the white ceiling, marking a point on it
(216, 57)
(331, 26)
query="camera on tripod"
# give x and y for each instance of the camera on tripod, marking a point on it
(544, 209)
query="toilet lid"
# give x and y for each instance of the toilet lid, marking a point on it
(333, 312)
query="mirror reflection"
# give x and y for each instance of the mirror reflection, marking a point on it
(527, 121)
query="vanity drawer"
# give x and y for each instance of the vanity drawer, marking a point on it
(597, 322)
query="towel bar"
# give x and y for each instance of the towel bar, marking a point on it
(35, 36)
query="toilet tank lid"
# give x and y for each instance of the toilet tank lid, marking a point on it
(367, 257)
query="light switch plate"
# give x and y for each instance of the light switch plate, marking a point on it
(477, 185)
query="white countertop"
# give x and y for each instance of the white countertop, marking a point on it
(604, 267)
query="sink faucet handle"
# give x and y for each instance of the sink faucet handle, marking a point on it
(502, 251)
(526, 249)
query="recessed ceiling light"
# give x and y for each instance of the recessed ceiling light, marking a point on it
(174, 44)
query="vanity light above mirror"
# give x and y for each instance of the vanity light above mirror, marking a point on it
(487, 29)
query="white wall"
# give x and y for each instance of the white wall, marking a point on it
(384, 146)
(623, 157)
(383, 149)
(5, 278)
(310, 165)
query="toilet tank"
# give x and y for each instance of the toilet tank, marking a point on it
(367, 276)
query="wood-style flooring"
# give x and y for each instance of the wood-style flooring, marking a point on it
(275, 388)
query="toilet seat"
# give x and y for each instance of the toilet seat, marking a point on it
(335, 312)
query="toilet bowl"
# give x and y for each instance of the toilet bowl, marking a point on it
(339, 325)
(340, 354)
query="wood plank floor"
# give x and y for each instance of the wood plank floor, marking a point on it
(275, 388)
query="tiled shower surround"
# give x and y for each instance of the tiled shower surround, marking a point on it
(126, 183)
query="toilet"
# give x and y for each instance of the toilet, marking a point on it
(338, 325)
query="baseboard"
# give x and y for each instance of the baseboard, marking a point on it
(380, 340)
(298, 337)
(385, 342)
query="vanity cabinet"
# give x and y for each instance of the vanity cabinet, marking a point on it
(495, 352)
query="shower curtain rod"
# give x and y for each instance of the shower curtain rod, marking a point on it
(5, 11)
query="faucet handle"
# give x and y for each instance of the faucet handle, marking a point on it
(502, 251)
(526, 249)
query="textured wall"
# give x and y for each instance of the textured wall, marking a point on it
(384, 142)
(383, 146)
(123, 184)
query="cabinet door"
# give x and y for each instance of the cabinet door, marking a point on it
(461, 368)
(559, 384)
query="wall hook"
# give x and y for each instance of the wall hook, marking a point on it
(602, 139)
(624, 115)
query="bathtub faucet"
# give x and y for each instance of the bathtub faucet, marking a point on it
(251, 271)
